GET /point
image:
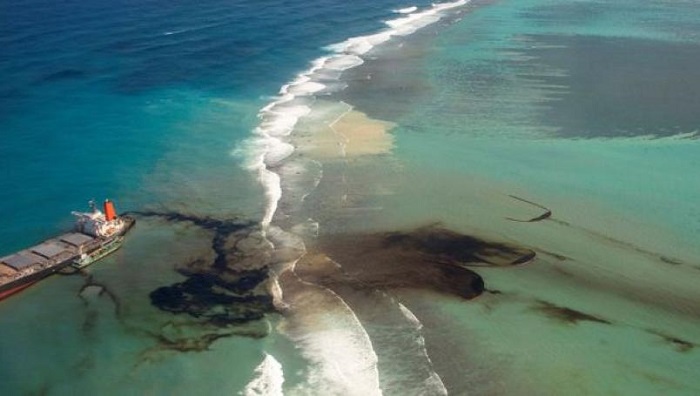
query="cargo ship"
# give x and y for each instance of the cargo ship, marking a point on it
(97, 234)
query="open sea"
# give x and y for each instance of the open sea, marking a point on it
(387, 197)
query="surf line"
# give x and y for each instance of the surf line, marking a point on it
(359, 342)
(269, 148)
(268, 378)
(434, 377)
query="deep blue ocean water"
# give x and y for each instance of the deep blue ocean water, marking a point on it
(94, 94)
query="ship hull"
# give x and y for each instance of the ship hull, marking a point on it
(18, 285)
(11, 291)
(105, 250)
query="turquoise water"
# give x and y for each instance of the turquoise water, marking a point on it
(584, 107)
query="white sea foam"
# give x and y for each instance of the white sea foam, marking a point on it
(288, 249)
(279, 120)
(277, 152)
(329, 333)
(277, 292)
(410, 316)
(273, 193)
(333, 339)
(305, 88)
(410, 21)
(280, 116)
(433, 382)
(343, 62)
(268, 379)
(417, 20)
(360, 45)
(337, 344)
(406, 10)
(195, 28)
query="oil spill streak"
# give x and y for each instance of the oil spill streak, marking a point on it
(103, 290)
(670, 260)
(428, 258)
(222, 297)
(679, 344)
(221, 228)
(567, 315)
(209, 297)
(450, 247)
(660, 257)
(547, 214)
(557, 256)
(192, 344)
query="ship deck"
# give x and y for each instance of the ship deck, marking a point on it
(52, 253)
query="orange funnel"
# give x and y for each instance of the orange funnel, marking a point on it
(110, 213)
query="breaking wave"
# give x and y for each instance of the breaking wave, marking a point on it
(406, 10)
(268, 379)
(269, 148)
(336, 344)
(340, 350)
(433, 382)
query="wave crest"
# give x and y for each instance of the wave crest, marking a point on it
(340, 349)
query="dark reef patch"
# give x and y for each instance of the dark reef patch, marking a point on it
(614, 86)
(567, 315)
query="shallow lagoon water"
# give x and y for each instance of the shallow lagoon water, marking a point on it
(499, 111)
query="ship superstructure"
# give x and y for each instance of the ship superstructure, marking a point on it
(96, 235)
(99, 224)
